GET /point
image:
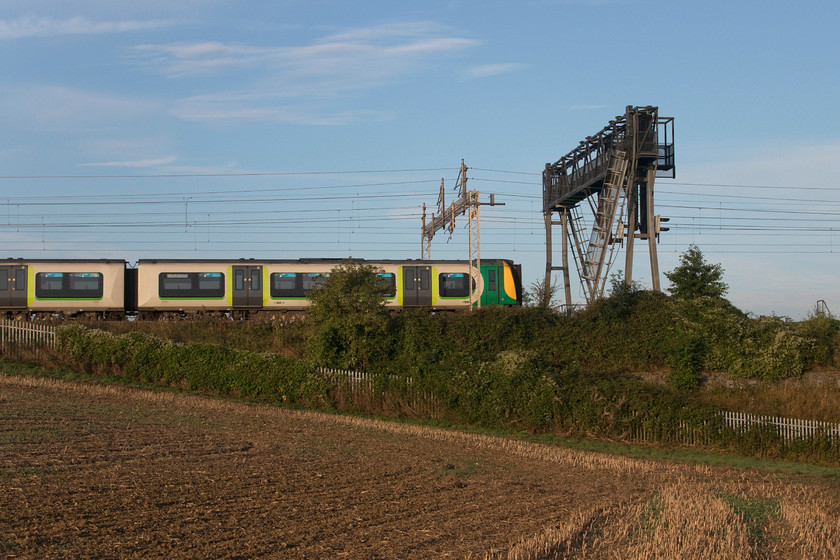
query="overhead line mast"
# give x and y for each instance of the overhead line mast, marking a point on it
(467, 203)
(614, 171)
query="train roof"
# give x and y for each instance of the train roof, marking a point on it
(318, 261)
(20, 261)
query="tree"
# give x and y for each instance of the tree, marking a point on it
(349, 317)
(695, 278)
(540, 295)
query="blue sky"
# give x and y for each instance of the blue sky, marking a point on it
(287, 129)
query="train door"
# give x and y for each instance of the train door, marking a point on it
(490, 295)
(13, 286)
(417, 286)
(247, 286)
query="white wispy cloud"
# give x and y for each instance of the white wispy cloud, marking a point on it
(385, 32)
(488, 70)
(184, 59)
(396, 47)
(29, 27)
(287, 83)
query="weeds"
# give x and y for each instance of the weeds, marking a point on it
(755, 513)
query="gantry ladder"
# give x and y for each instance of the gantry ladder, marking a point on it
(577, 227)
(593, 260)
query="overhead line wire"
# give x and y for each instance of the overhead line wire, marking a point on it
(231, 174)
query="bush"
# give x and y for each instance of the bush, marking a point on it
(349, 317)
(822, 330)
(687, 364)
(200, 367)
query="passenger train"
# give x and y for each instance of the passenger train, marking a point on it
(111, 289)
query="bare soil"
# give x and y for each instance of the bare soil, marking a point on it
(89, 471)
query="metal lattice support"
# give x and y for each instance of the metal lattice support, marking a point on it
(618, 164)
(467, 203)
(475, 248)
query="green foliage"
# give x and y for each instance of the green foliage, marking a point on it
(349, 317)
(280, 335)
(687, 365)
(756, 513)
(770, 349)
(631, 330)
(510, 391)
(206, 368)
(767, 348)
(622, 300)
(822, 330)
(695, 278)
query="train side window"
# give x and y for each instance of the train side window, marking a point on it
(175, 283)
(295, 284)
(84, 282)
(211, 282)
(307, 281)
(391, 281)
(284, 285)
(491, 278)
(68, 285)
(191, 285)
(312, 279)
(284, 281)
(454, 284)
(49, 282)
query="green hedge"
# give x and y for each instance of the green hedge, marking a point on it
(516, 386)
(205, 368)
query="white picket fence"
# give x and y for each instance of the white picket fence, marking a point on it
(362, 389)
(26, 334)
(789, 429)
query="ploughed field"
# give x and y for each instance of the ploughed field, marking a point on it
(112, 472)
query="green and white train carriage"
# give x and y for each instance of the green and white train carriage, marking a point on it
(46, 287)
(276, 286)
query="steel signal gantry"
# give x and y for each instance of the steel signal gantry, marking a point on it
(613, 171)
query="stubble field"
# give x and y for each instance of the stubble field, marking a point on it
(111, 472)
